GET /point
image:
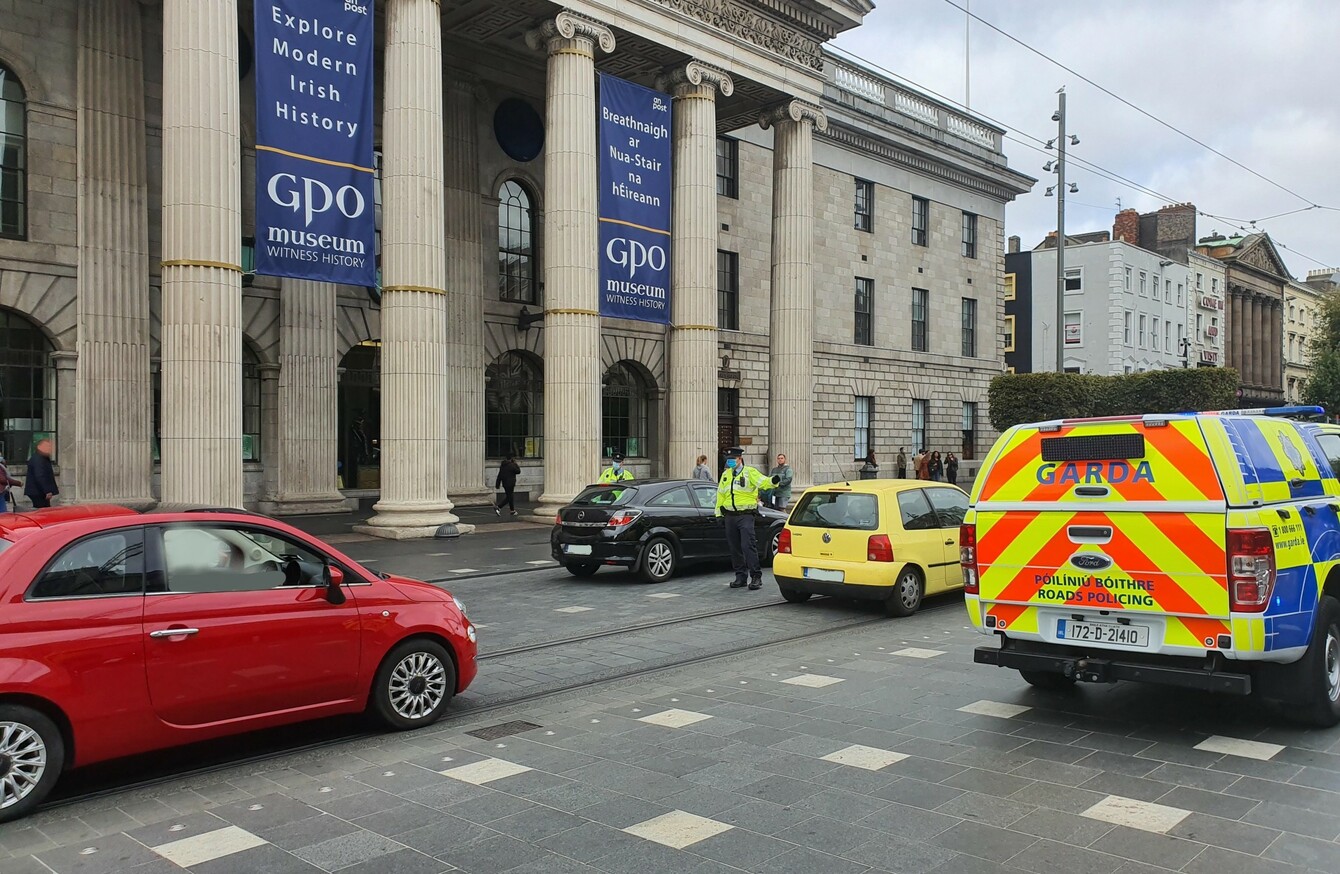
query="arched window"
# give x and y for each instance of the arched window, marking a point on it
(251, 404)
(13, 156)
(513, 407)
(623, 412)
(517, 275)
(27, 386)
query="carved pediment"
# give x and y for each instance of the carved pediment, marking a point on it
(1261, 254)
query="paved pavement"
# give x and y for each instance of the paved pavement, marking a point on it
(875, 749)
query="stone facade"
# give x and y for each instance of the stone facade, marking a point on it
(325, 353)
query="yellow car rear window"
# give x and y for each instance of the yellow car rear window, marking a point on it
(837, 510)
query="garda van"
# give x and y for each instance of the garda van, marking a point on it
(1197, 550)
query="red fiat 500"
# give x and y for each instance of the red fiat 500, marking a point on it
(123, 632)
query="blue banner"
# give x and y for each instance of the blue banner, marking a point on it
(314, 141)
(634, 203)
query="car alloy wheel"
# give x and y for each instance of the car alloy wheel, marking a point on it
(1332, 665)
(23, 762)
(906, 595)
(418, 685)
(658, 561)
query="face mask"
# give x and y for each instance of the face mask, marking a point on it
(731, 463)
(617, 465)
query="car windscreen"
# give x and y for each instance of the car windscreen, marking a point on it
(859, 512)
(606, 496)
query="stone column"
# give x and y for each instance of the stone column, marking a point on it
(791, 340)
(202, 253)
(1277, 344)
(693, 301)
(1258, 351)
(303, 446)
(414, 437)
(572, 295)
(67, 438)
(1236, 346)
(465, 301)
(113, 393)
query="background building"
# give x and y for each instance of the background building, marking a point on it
(1256, 278)
(131, 330)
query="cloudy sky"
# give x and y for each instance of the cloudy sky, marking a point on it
(1256, 80)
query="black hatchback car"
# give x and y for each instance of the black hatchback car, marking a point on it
(650, 526)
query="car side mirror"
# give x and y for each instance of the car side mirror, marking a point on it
(333, 578)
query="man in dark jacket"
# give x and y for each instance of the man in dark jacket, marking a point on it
(41, 487)
(6, 483)
(508, 471)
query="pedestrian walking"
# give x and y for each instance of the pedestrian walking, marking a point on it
(937, 467)
(951, 468)
(616, 472)
(901, 462)
(924, 465)
(783, 475)
(7, 482)
(41, 488)
(702, 471)
(508, 471)
(737, 504)
(357, 451)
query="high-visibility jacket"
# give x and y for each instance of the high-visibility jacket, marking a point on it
(610, 475)
(738, 488)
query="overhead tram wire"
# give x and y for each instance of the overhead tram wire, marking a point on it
(1122, 100)
(1084, 164)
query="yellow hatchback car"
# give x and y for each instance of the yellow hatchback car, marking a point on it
(892, 541)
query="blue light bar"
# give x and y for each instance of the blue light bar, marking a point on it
(1278, 412)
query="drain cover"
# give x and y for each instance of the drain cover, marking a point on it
(493, 732)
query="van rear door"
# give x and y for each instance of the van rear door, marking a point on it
(1124, 517)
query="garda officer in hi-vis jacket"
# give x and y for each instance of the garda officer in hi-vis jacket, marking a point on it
(737, 503)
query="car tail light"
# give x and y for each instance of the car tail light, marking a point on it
(622, 518)
(879, 548)
(784, 542)
(967, 556)
(558, 518)
(1251, 569)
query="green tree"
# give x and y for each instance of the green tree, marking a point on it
(1323, 386)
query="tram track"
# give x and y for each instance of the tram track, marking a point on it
(343, 730)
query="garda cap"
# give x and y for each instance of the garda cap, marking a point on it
(735, 452)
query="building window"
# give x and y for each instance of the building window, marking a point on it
(865, 312)
(1214, 286)
(969, 448)
(865, 205)
(969, 235)
(969, 327)
(1154, 336)
(1292, 315)
(13, 156)
(251, 404)
(865, 413)
(1180, 298)
(1144, 284)
(1126, 329)
(920, 413)
(921, 219)
(1074, 331)
(1128, 279)
(518, 279)
(728, 167)
(1167, 337)
(1141, 334)
(1167, 291)
(1199, 323)
(1200, 282)
(1074, 280)
(27, 387)
(728, 290)
(623, 413)
(513, 407)
(1009, 333)
(1010, 291)
(920, 304)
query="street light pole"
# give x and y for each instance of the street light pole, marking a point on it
(1060, 234)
